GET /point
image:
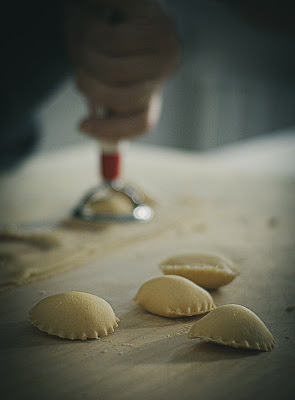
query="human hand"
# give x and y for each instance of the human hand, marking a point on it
(121, 66)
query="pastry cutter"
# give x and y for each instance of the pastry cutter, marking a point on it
(112, 183)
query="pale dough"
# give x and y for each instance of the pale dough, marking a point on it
(109, 201)
(40, 241)
(173, 296)
(208, 270)
(233, 325)
(74, 315)
(22, 254)
(115, 203)
(28, 257)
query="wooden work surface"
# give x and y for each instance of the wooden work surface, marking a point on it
(240, 202)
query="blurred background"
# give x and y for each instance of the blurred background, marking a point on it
(236, 80)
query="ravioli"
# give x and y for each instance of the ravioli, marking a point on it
(74, 315)
(233, 325)
(173, 296)
(208, 270)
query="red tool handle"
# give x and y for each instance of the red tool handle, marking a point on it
(110, 165)
(110, 160)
